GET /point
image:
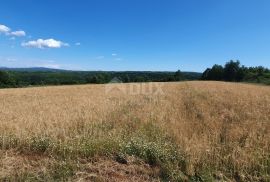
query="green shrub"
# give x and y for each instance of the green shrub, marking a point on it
(40, 144)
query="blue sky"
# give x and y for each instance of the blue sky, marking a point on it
(167, 35)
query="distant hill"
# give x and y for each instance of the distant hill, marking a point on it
(23, 77)
(189, 74)
(33, 69)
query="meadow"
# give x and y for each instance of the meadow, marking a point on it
(177, 131)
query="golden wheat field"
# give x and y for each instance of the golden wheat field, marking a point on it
(186, 131)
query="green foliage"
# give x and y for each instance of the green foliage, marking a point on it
(233, 71)
(215, 73)
(39, 145)
(62, 171)
(178, 76)
(26, 78)
(6, 79)
(156, 148)
(8, 141)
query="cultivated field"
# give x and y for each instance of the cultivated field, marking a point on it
(198, 131)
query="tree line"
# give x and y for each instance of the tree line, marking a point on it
(231, 71)
(235, 72)
(13, 78)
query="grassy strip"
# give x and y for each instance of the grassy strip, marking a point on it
(148, 143)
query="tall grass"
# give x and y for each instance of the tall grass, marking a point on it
(198, 131)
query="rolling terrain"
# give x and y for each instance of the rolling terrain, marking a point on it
(177, 131)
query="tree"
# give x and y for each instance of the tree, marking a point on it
(231, 71)
(178, 76)
(205, 74)
(126, 78)
(261, 70)
(36, 79)
(216, 73)
(5, 78)
(241, 74)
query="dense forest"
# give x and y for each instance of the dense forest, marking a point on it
(235, 72)
(38, 77)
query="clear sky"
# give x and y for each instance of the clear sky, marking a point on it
(167, 35)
